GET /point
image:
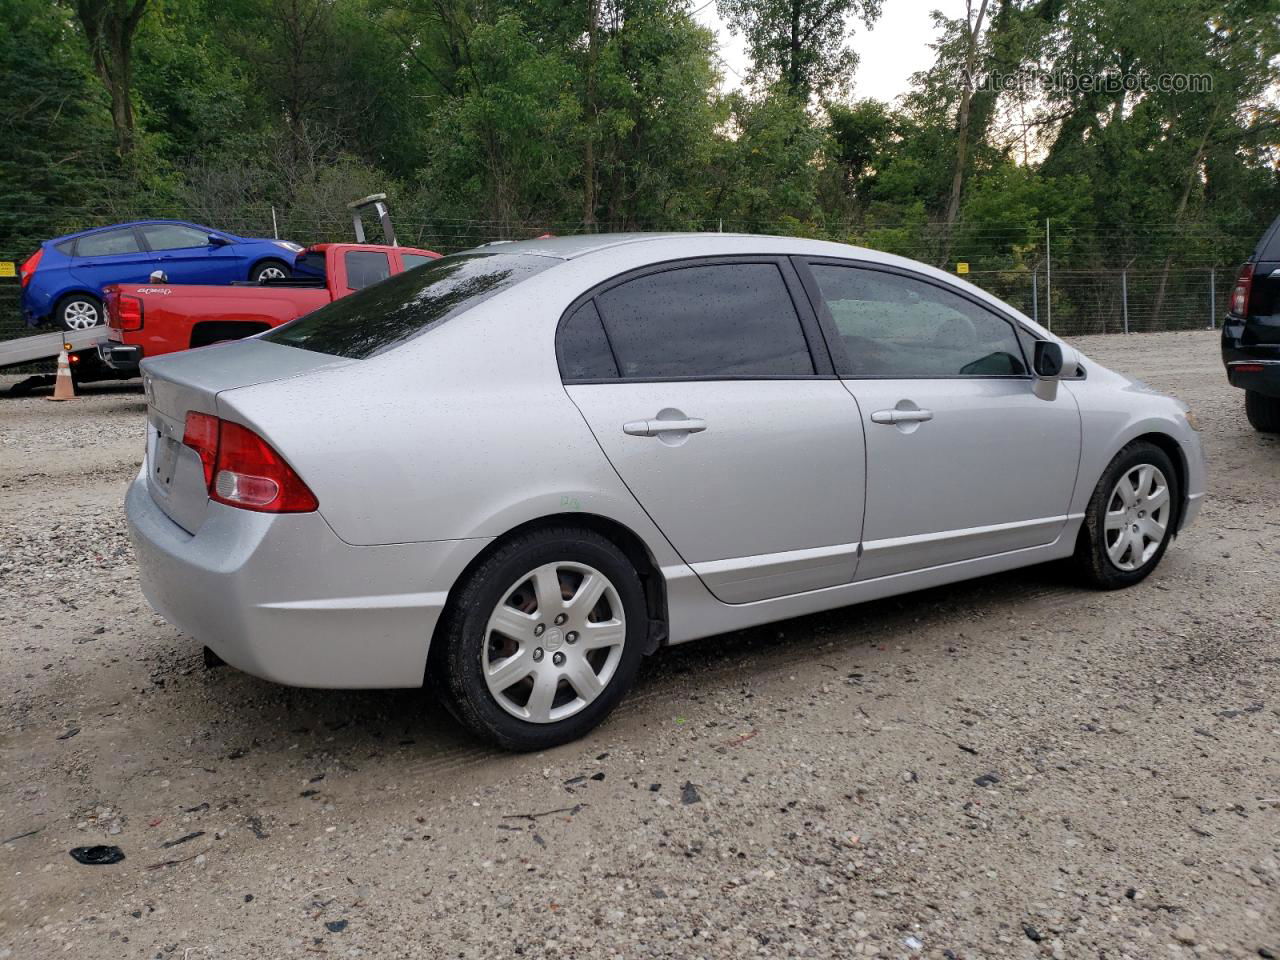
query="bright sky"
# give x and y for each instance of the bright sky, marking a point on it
(897, 47)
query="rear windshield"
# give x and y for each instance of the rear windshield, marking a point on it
(387, 314)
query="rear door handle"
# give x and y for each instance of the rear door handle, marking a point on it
(901, 416)
(651, 428)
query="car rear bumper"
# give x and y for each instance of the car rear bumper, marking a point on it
(280, 596)
(1261, 376)
(123, 358)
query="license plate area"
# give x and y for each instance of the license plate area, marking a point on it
(163, 451)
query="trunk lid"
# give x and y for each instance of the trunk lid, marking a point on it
(177, 384)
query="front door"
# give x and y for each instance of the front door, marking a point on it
(182, 252)
(700, 385)
(964, 460)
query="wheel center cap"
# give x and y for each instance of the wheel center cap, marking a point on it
(553, 639)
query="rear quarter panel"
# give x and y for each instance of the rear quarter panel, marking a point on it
(463, 432)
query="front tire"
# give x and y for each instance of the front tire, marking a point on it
(1263, 411)
(269, 270)
(79, 311)
(1130, 518)
(543, 639)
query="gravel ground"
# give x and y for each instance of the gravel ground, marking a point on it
(1011, 767)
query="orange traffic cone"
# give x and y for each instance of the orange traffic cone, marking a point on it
(64, 388)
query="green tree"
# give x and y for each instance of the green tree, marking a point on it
(802, 43)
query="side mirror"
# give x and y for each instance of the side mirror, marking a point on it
(217, 241)
(1048, 361)
(159, 276)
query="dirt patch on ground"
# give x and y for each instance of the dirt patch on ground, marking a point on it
(1010, 767)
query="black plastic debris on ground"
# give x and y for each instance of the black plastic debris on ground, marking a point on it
(986, 780)
(1034, 935)
(336, 926)
(99, 856)
(69, 734)
(689, 794)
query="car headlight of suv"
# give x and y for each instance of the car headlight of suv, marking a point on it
(289, 245)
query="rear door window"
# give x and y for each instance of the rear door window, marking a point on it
(706, 321)
(385, 315)
(365, 268)
(411, 260)
(108, 243)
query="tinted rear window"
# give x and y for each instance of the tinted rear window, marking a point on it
(387, 314)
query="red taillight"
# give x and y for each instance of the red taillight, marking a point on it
(1240, 295)
(241, 469)
(126, 312)
(201, 435)
(29, 267)
(1246, 367)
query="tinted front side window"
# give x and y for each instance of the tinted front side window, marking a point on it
(111, 242)
(365, 268)
(385, 315)
(895, 326)
(719, 320)
(173, 236)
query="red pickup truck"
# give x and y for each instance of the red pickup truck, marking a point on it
(146, 320)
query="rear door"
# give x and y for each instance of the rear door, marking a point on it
(963, 459)
(709, 388)
(181, 251)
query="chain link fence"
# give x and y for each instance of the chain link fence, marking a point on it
(1081, 291)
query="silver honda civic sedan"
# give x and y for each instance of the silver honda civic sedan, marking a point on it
(516, 471)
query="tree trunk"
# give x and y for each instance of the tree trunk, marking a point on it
(589, 160)
(109, 26)
(1158, 304)
(962, 133)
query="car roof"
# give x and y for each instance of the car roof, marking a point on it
(130, 223)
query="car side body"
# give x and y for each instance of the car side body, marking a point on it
(782, 495)
(86, 262)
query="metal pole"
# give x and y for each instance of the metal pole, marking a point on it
(1035, 293)
(1124, 297)
(1048, 278)
(275, 229)
(1213, 306)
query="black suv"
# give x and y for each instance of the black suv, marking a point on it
(1251, 334)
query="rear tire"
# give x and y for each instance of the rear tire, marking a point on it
(1263, 411)
(542, 640)
(79, 311)
(1130, 519)
(269, 270)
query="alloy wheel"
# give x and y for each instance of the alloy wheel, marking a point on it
(554, 642)
(1137, 518)
(80, 315)
(271, 273)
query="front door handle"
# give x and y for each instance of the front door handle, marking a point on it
(901, 416)
(652, 428)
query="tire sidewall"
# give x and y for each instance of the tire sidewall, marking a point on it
(472, 702)
(1137, 454)
(61, 311)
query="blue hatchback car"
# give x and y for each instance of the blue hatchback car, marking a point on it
(62, 281)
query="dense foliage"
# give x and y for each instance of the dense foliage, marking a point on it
(489, 118)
